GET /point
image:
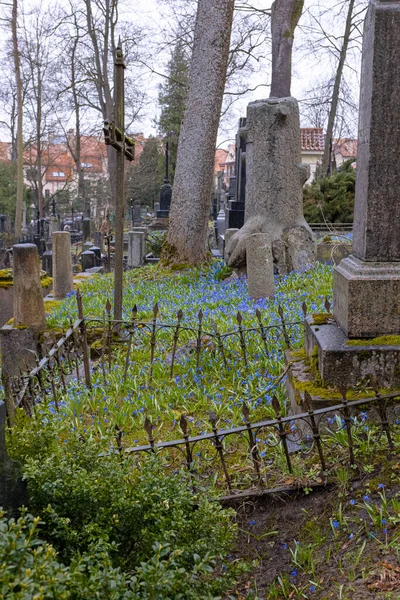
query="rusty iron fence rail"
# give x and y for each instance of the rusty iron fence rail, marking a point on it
(255, 456)
(169, 342)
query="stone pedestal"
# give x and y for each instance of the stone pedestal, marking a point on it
(62, 264)
(13, 493)
(28, 294)
(260, 266)
(135, 249)
(19, 350)
(367, 297)
(88, 260)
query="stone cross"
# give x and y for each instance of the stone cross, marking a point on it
(115, 136)
(367, 284)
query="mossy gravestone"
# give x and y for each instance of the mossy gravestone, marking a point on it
(12, 488)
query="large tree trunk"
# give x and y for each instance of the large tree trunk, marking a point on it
(284, 19)
(188, 221)
(20, 142)
(326, 160)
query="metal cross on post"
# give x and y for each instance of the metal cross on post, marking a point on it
(114, 135)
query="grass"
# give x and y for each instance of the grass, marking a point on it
(342, 545)
(332, 544)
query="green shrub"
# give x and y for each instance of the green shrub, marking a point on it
(30, 568)
(152, 524)
(331, 198)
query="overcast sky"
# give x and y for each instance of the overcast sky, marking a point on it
(309, 67)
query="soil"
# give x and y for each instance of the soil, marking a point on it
(268, 526)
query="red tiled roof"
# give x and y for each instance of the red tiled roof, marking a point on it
(219, 160)
(346, 147)
(312, 138)
(5, 152)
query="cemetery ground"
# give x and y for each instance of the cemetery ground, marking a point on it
(133, 524)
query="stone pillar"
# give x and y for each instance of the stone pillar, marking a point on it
(62, 264)
(47, 259)
(98, 240)
(367, 284)
(137, 213)
(229, 233)
(156, 208)
(144, 231)
(53, 225)
(135, 248)
(86, 229)
(260, 266)
(28, 294)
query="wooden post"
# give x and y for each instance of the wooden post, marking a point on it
(120, 184)
(115, 136)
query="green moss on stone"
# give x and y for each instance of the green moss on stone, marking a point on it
(50, 305)
(383, 340)
(321, 318)
(298, 354)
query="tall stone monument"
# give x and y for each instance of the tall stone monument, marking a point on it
(274, 185)
(366, 303)
(367, 284)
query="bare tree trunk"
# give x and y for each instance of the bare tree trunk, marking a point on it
(326, 160)
(20, 142)
(284, 18)
(188, 221)
(76, 150)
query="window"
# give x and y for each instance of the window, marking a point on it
(85, 165)
(58, 174)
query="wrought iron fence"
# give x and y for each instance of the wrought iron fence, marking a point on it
(286, 450)
(298, 450)
(165, 343)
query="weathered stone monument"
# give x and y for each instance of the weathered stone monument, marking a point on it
(260, 266)
(136, 241)
(28, 293)
(362, 338)
(274, 184)
(62, 264)
(19, 342)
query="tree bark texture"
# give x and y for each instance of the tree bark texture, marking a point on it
(326, 159)
(20, 142)
(188, 221)
(284, 18)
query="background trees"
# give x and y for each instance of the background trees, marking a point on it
(172, 98)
